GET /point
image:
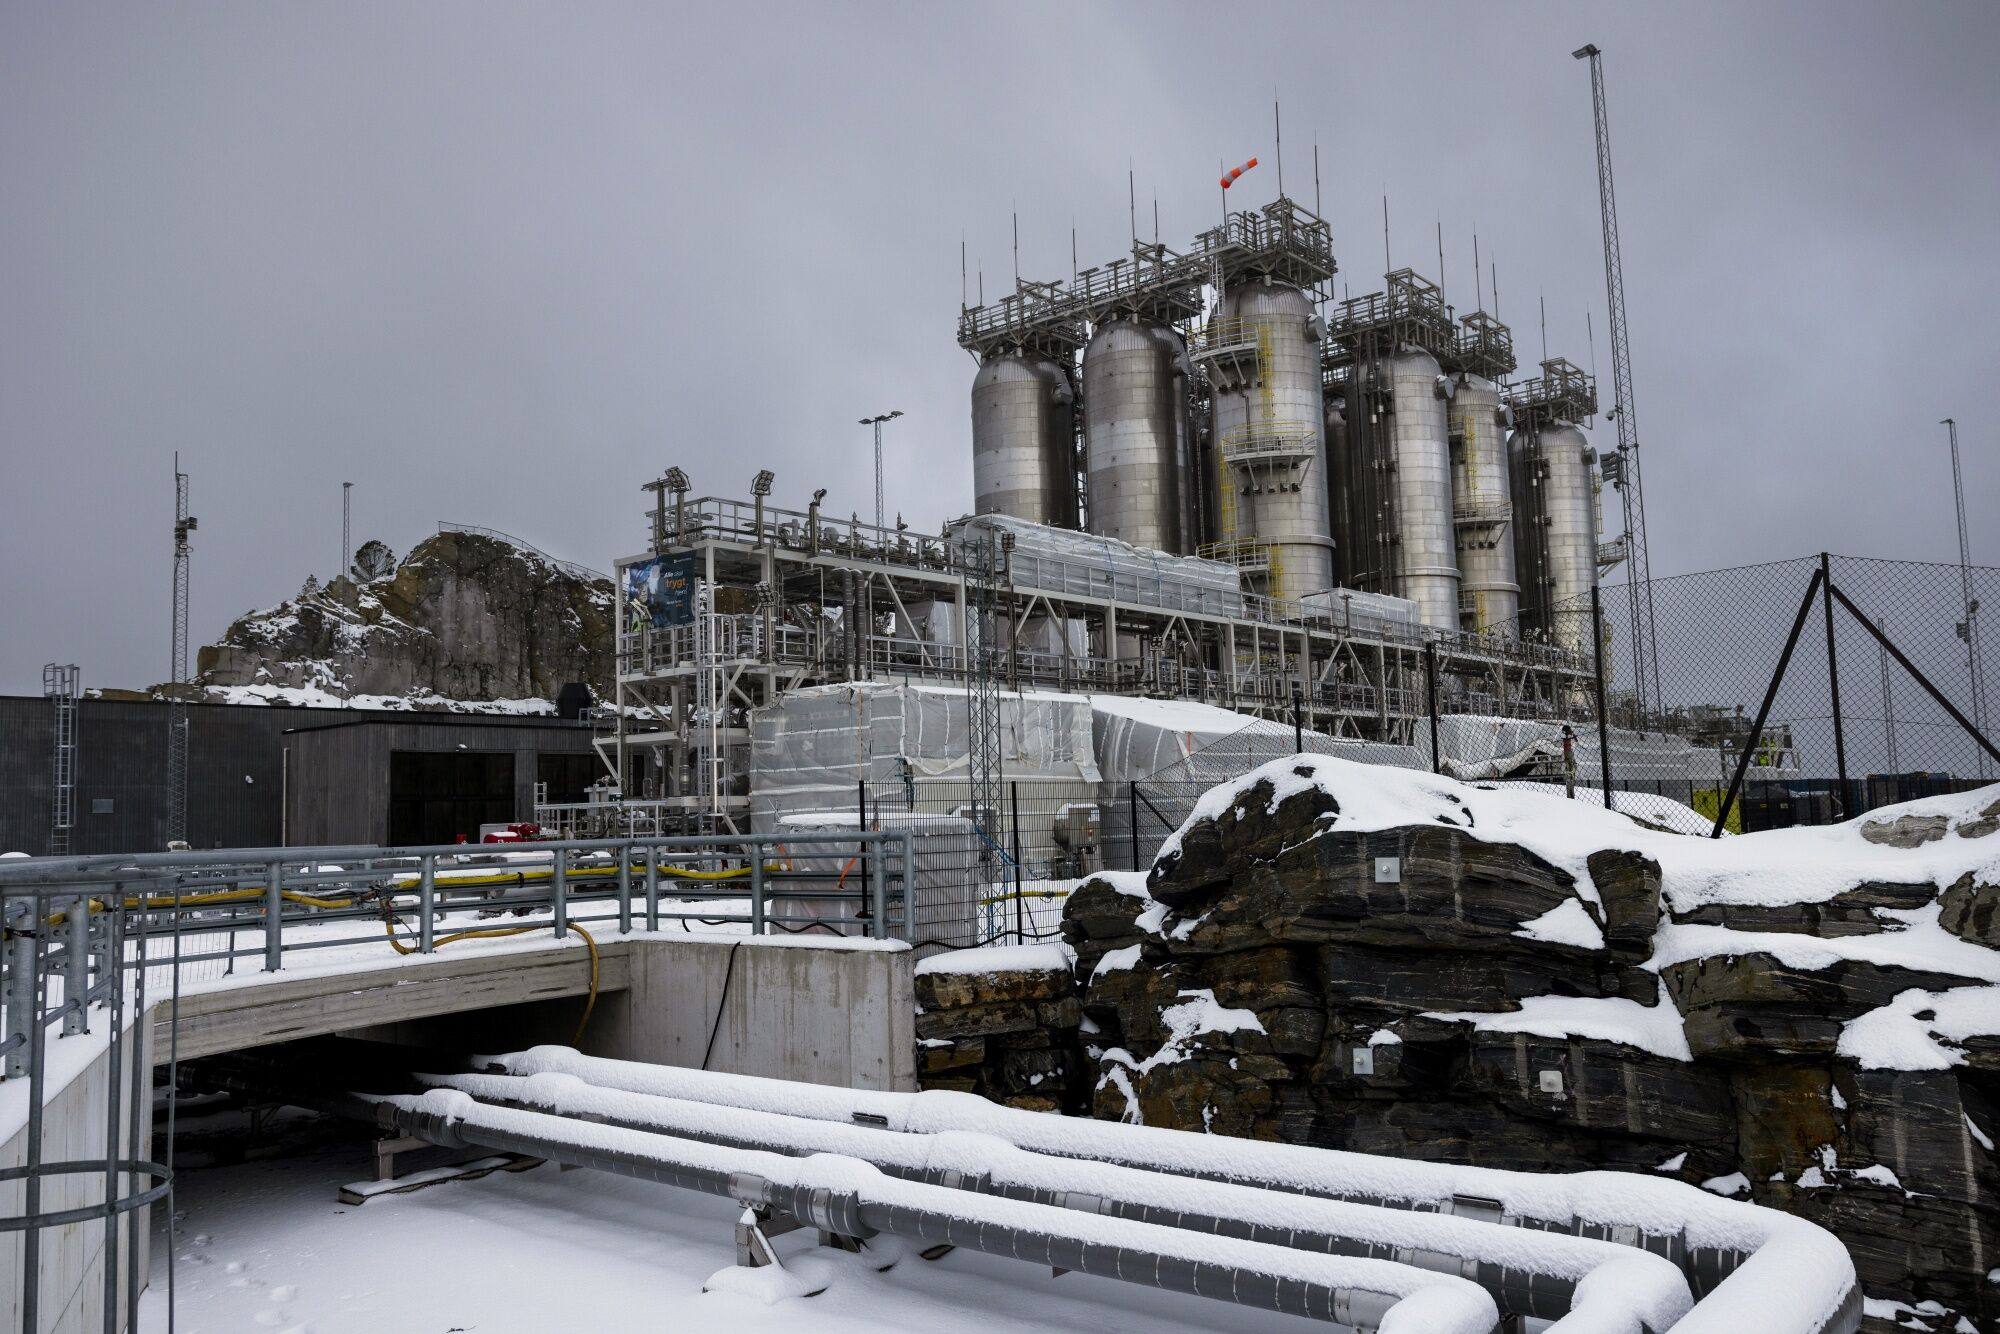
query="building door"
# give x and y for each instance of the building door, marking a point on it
(439, 796)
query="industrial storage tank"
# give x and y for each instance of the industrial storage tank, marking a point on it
(1401, 474)
(1555, 530)
(1024, 439)
(1271, 508)
(1483, 509)
(1138, 473)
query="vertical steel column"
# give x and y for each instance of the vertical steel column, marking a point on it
(113, 1113)
(1833, 684)
(1431, 694)
(559, 891)
(1020, 913)
(625, 889)
(19, 967)
(1603, 726)
(878, 900)
(652, 887)
(1132, 803)
(31, 1239)
(274, 917)
(756, 889)
(76, 968)
(427, 905)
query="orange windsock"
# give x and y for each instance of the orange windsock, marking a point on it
(1229, 177)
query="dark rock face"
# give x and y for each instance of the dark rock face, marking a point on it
(1277, 985)
(463, 617)
(1009, 1034)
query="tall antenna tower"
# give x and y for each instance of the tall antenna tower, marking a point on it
(983, 557)
(1638, 561)
(177, 718)
(346, 529)
(1968, 629)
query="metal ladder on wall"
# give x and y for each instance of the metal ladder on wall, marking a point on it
(61, 685)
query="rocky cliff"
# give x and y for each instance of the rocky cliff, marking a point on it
(466, 619)
(1394, 963)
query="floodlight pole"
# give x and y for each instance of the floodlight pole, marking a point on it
(876, 422)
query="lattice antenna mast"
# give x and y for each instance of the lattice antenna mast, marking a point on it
(1639, 567)
(983, 557)
(1968, 629)
(177, 719)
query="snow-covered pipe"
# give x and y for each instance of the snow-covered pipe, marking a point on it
(851, 1197)
(1583, 1285)
(1776, 1273)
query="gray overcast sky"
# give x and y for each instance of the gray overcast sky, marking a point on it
(502, 263)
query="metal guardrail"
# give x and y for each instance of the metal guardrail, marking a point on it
(77, 919)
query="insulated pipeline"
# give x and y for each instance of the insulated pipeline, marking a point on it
(1780, 1273)
(1539, 1279)
(851, 1197)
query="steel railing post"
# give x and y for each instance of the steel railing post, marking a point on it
(653, 887)
(76, 968)
(757, 927)
(625, 889)
(559, 891)
(20, 962)
(877, 892)
(908, 839)
(274, 917)
(427, 905)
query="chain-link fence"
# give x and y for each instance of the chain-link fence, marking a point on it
(1884, 693)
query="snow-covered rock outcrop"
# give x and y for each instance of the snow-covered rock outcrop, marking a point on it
(465, 620)
(1388, 961)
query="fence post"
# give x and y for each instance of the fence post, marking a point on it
(21, 947)
(559, 891)
(1833, 683)
(1764, 709)
(1298, 721)
(1020, 913)
(1603, 723)
(1431, 695)
(427, 904)
(653, 887)
(878, 893)
(625, 889)
(274, 918)
(1132, 802)
(756, 894)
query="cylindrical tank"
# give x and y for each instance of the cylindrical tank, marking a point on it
(1408, 455)
(1555, 530)
(1483, 506)
(1135, 434)
(1270, 456)
(1024, 439)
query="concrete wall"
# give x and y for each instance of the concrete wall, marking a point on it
(72, 1257)
(823, 1015)
(836, 1014)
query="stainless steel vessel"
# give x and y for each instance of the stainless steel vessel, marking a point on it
(1271, 481)
(1400, 470)
(1024, 439)
(1138, 470)
(1556, 492)
(1489, 598)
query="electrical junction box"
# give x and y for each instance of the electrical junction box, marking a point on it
(1388, 870)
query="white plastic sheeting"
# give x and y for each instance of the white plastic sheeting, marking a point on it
(1061, 560)
(1470, 742)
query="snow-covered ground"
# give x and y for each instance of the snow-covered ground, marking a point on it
(266, 1245)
